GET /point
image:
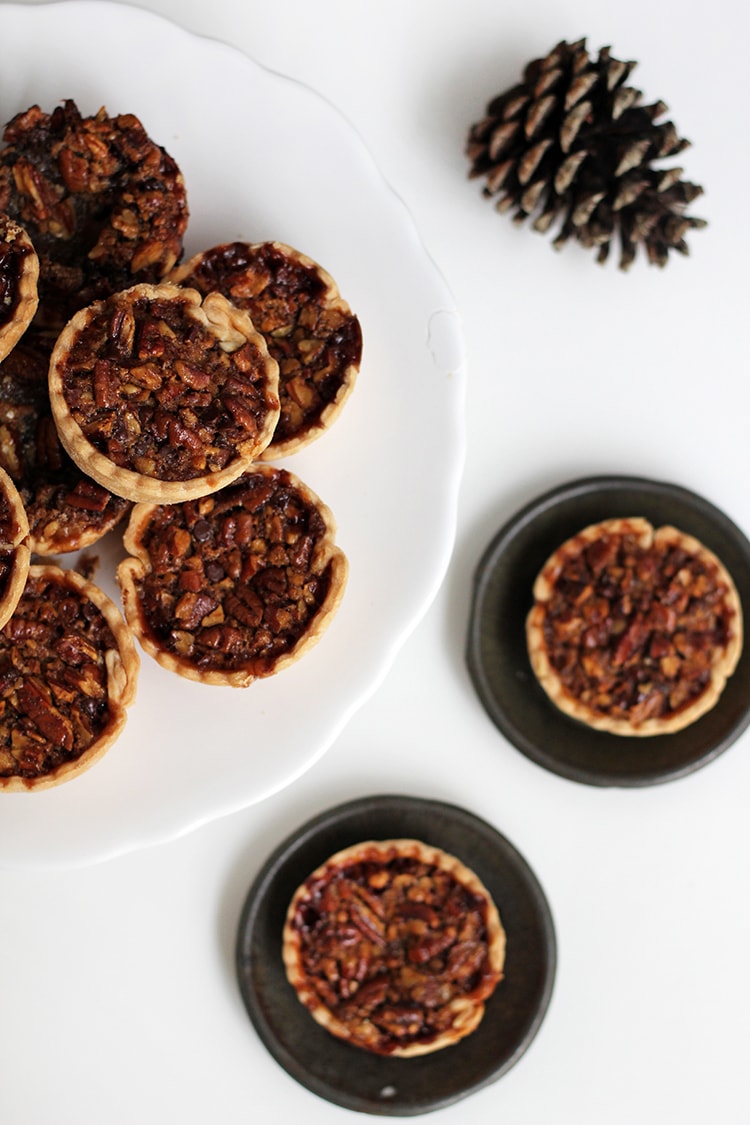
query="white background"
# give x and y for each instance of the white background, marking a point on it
(118, 1000)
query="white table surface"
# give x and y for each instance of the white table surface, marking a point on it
(118, 1001)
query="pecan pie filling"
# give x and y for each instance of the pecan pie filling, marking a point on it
(66, 510)
(19, 274)
(394, 946)
(310, 330)
(634, 631)
(68, 668)
(103, 204)
(233, 586)
(159, 395)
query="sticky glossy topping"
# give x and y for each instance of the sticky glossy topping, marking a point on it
(388, 945)
(236, 578)
(633, 632)
(12, 254)
(314, 338)
(158, 393)
(53, 679)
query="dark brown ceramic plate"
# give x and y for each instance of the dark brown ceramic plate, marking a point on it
(499, 664)
(349, 1076)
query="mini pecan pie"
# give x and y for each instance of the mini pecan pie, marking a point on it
(234, 586)
(310, 330)
(19, 273)
(160, 395)
(66, 510)
(633, 630)
(394, 946)
(14, 547)
(103, 204)
(68, 671)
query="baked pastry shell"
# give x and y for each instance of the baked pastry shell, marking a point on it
(331, 298)
(232, 328)
(133, 569)
(122, 663)
(27, 296)
(468, 1011)
(725, 659)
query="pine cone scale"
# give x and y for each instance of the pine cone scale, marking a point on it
(625, 97)
(498, 176)
(572, 124)
(579, 89)
(567, 171)
(632, 157)
(531, 160)
(537, 115)
(502, 138)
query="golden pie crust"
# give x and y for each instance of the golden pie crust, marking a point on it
(309, 328)
(235, 586)
(634, 630)
(394, 946)
(19, 275)
(68, 670)
(15, 555)
(161, 395)
(66, 510)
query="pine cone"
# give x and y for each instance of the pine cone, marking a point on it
(572, 143)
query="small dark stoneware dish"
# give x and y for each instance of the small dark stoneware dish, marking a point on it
(349, 1076)
(498, 660)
